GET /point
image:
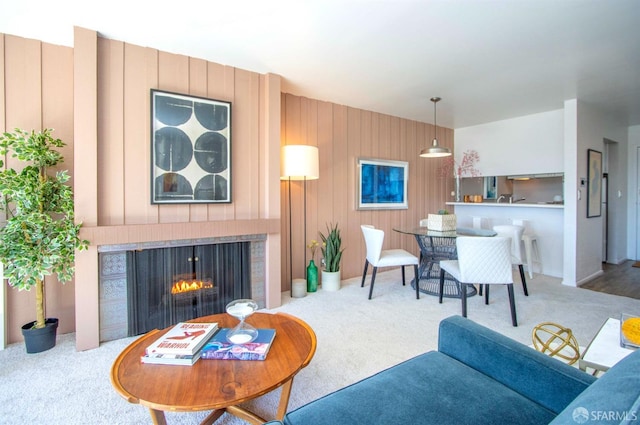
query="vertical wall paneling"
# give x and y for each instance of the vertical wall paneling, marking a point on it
(324, 185)
(140, 72)
(245, 146)
(22, 108)
(111, 149)
(350, 228)
(270, 92)
(23, 87)
(85, 123)
(57, 106)
(343, 135)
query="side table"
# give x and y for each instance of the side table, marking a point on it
(604, 350)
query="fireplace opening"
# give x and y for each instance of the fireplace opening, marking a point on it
(170, 285)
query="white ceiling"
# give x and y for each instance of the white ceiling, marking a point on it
(488, 59)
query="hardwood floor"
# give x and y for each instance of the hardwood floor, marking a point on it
(618, 279)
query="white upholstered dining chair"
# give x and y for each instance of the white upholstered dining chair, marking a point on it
(377, 257)
(481, 260)
(517, 256)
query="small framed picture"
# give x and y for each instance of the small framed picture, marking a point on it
(594, 183)
(382, 184)
(190, 149)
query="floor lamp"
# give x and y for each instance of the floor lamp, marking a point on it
(298, 162)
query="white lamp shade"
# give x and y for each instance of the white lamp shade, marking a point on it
(299, 162)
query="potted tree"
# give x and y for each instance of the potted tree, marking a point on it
(40, 236)
(332, 253)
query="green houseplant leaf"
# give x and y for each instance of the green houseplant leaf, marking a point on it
(332, 248)
(40, 236)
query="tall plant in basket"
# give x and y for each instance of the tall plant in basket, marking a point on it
(332, 253)
(40, 236)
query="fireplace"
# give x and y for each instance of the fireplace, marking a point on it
(153, 286)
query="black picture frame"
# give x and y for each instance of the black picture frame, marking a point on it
(190, 149)
(594, 183)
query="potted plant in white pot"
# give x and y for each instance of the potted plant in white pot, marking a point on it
(332, 253)
(40, 236)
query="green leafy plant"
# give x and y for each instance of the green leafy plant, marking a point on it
(40, 235)
(332, 248)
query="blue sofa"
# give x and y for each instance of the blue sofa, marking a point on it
(479, 376)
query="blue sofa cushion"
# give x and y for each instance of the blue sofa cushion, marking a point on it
(536, 376)
(612, 399)
(431, 388)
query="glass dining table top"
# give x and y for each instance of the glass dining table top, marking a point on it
(434, 247)
(460, 231)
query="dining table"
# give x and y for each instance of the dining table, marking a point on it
(436, 246)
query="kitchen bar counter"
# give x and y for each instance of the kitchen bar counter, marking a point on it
(506, 204)
(545, 220)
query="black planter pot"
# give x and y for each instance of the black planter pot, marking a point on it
(38, 340)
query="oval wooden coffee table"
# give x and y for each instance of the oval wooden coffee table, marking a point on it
(218, 385)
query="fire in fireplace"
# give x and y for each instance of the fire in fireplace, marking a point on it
(192, 284)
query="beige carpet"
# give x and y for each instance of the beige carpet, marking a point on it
(356, 338)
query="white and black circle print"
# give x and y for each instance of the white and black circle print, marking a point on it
(211, 152)
(173, 110)
(212, 117)
(191, 149)
(172, 186)
(173, 149)
(211, 187)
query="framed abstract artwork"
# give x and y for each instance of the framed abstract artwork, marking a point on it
(382, 184)
(190, 149)
(594, 183)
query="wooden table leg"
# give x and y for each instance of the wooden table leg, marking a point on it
(157, 416)
(284, 399)
(245, 415)
(212, 417)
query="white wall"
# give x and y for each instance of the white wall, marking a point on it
(523, 145)
(633, 192)
(557, 141)
(593, 127)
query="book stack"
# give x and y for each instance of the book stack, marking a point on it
(181, 345)
(218, 348)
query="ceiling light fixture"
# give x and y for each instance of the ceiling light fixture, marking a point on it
(435, 151)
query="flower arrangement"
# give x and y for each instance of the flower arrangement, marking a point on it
(467, 167)
(313, 245)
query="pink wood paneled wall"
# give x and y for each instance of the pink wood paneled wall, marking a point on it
(98, 92)
(37, 92)
(343, 134)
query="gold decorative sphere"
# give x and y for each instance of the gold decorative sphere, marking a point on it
(556, 341)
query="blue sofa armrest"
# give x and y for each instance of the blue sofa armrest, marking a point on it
(613, 398)
(534, 375)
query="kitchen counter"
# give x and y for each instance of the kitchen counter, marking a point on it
(506, 204)
(545, 220)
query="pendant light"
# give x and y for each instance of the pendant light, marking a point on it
(435, 151)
